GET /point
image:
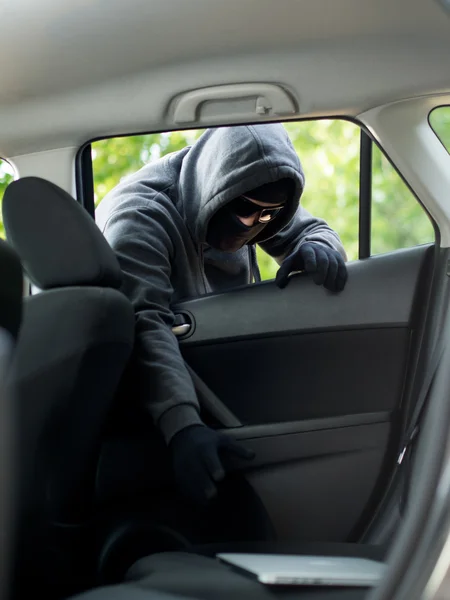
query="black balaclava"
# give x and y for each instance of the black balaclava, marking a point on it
(225, 225)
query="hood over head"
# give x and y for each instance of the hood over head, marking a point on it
(226, 162)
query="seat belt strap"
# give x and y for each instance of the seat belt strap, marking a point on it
(414, 426)
(211, 403)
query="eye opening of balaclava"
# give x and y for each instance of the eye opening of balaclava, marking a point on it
(227, 232)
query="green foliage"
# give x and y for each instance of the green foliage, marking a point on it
(440, 122)
(398, 220)
(115, 158)
(329, 152)
(6, 176)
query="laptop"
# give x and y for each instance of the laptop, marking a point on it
(276, 569)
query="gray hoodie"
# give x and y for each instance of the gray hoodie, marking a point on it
(156, 221)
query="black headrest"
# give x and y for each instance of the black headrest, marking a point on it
(11, 289)
(58, 241)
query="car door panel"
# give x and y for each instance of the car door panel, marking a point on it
(379, 293)
(290, 363)
(315, 477)
(307, 376)
(321, 498)
(275, 355)
(315, 385)
(310, 480)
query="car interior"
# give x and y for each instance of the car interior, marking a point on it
(329, 390)
(98, 494)
(11, 293)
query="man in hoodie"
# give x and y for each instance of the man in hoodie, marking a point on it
(187, 225)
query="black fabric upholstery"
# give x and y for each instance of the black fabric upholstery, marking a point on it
(192, 576)
(68, 367)
(126, 592)
(141, 591)
(188, 574)
(71, 352)
(195, 576)
(144, 591)
(7, 468)
(76, 337)
(11, 289)
(58, 243)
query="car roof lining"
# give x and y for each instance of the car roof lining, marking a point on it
(81, 70)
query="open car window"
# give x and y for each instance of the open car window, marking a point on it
(440, 123)
(6, 177)
(330, 151)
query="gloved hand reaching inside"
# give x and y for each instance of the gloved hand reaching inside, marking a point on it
(200, 457)
(326, 266)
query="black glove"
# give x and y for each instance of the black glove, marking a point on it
(200, 456)
(326, 266)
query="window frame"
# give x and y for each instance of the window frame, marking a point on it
(433, 129)
(365, 196)
(84, 176)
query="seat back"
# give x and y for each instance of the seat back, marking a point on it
(11, 290)
(76, 337)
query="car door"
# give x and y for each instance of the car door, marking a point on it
(318, 384)
(314, 382)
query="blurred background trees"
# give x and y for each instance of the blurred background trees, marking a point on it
(329, 151)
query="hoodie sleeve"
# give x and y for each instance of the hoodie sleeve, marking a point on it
(302, 228)
(140, 238)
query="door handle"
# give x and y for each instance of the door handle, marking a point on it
(181, 325)
(179, 330)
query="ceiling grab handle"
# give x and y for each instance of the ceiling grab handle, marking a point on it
(240, 100)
